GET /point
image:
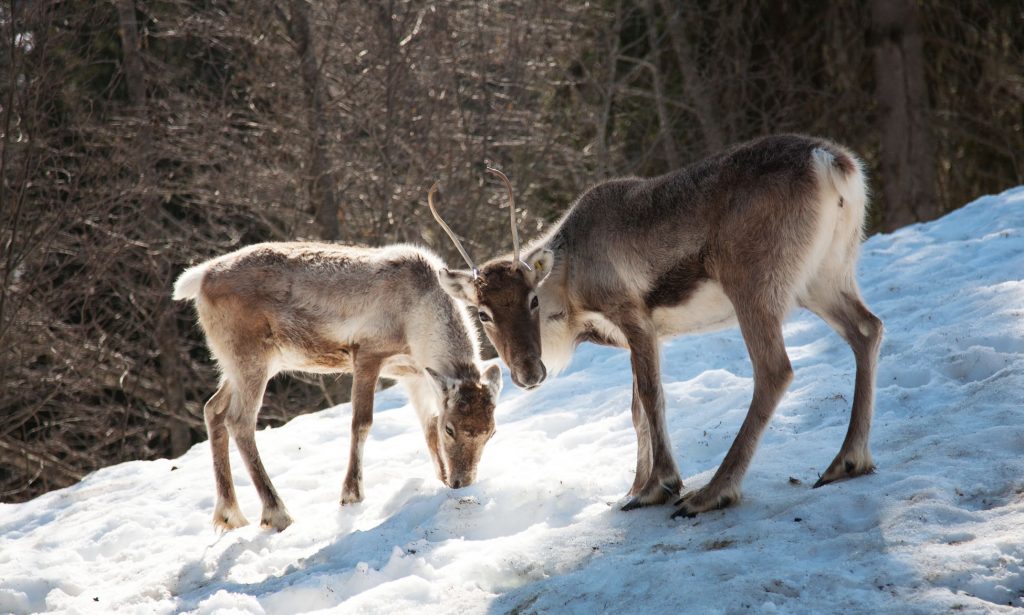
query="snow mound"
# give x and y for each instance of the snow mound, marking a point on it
(937, 529)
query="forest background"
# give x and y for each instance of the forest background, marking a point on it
(138, 137)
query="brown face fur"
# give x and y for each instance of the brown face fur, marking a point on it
(507, 303)
(465, 425)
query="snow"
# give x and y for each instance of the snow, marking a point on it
(939, 528)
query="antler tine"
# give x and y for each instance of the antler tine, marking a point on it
(511, 215)
(455, 240)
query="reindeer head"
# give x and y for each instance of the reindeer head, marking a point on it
(505, 296)
(466, 422)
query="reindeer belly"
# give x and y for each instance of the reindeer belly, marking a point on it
(329, 347)
(706, 309)
(400, 366)
(320, 358)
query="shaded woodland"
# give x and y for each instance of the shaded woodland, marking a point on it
(138, 137)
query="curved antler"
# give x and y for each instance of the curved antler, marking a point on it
(455, 240)
(511, 214)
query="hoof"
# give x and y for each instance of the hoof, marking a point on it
(351, 495)
(275, 519)
(703, 500)
(227, 518)
(846, 466)
(633, 503)
(655, 492)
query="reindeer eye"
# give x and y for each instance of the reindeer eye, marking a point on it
(484, 317)
(534, 304)
(448, 429)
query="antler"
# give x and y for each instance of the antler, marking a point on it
(455, 240)
(511, 214)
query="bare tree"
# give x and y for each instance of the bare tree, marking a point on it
(322, 188)
(693, 82)
(666, 134)
(907, 156)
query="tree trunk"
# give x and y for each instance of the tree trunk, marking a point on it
(170, 354)
(668, 140)
(606, 89)
(323, 192)
(698, 96)
(907, 156)
(131, 61)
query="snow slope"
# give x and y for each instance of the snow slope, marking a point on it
(939, 528)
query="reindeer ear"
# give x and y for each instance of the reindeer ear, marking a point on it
(540, 261)
(442, 384)
(492, 378)
(458, 284)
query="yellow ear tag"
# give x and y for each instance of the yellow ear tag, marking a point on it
(539, 265)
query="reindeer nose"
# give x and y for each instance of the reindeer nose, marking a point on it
(531, 378)
(457, 483)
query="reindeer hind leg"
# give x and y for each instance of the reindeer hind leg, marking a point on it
(226, 515)
(844, 311)
(242, 423)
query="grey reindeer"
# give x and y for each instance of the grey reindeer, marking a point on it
(324, 308)
(740, 238)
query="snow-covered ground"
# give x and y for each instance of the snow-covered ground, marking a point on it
(939, 528)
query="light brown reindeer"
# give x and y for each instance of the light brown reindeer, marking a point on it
(741, 237)
(325, 308)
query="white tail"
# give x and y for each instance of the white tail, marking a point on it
(846, 177)
(189, 282)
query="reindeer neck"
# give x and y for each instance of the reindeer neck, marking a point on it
(447, 342)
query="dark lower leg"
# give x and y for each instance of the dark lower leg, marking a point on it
(226, 513)
(364, 382)
(863, 331)
(643, 444)
(663, 483)
(242, 424)
(274, 513)
(772, 375)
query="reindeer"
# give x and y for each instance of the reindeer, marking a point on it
(739, 238)
(325, 308)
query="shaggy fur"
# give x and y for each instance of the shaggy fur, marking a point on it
(325, 308)
(739, 238)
